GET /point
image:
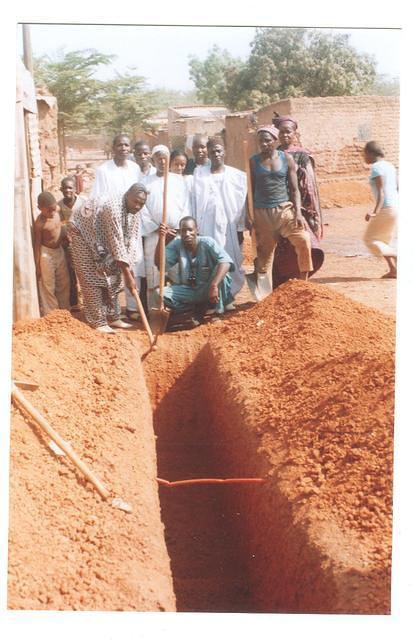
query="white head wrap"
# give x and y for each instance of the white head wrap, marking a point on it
(160, 148)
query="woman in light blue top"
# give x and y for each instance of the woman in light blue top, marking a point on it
(382, 222)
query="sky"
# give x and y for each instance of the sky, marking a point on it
(160, 53)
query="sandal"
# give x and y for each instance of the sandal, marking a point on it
(132, 315)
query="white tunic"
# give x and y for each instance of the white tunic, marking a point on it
(145, 177)
(179, 205)
(110, 178)
(219, 205)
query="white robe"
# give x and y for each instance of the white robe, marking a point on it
(178, 205)
(109, 178)
(219, 206)
(145, 177)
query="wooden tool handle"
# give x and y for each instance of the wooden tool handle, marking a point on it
(18, 396)
(162, 244)
(143, 316)
(249, 182)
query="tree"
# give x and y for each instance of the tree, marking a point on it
(88, 104)
(69, 77)
(212, 76)
(336, 68)
(128, 103)
(284, 63)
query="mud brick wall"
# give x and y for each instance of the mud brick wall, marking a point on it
(335, 129)
(48, 141)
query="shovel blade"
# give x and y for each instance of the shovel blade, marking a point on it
(259, 284)
(25, 384)
(158, 320)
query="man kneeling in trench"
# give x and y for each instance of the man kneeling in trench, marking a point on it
(203, 269)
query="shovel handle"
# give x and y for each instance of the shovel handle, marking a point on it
(18, 396)
(162, 245)
(143, 317)
(250, 201)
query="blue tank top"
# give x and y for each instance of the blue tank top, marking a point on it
(271, 187)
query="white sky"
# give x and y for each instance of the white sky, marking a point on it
(160, 53)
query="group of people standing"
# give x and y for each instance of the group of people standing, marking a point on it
(112, 238)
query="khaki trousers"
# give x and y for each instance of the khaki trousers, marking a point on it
(54, 285)
(379, 233)
(270, 225)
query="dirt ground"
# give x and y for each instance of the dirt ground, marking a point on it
(297, 391)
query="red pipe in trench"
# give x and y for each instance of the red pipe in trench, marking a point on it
(211, 481)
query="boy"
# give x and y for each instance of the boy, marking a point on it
(50, 261)
(69, 204)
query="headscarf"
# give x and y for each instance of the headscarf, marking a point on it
(279, 120)
(273, 131)
(160, 148)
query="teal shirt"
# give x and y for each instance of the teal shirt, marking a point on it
(388, 172)
(203, 266)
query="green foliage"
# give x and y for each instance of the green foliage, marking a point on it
(213, 76)
(69, 77)
(128, 103)
(283, 63)
(88, 104)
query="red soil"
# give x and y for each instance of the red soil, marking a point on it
(344, 193)
(319, 400)
(297, 389)
(69, 549)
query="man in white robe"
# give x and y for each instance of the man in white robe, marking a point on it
(142, 156)
(219, 197)
(116, 175)
(178, 206)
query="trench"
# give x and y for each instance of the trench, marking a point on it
(232, 548)
(209, 572)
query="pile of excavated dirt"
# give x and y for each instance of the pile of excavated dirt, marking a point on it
(297, 390)
(68, 548)
(306, 378)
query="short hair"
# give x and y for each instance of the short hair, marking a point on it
(186, 219)
(214, 140)
(137, 188)
(118, 136)
(199, 136)
(141, 143)
(71, 178)
(45, 199)
(374, 148)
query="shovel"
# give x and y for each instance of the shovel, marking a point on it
(144, 320)
(63, 447)
(159, 317)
